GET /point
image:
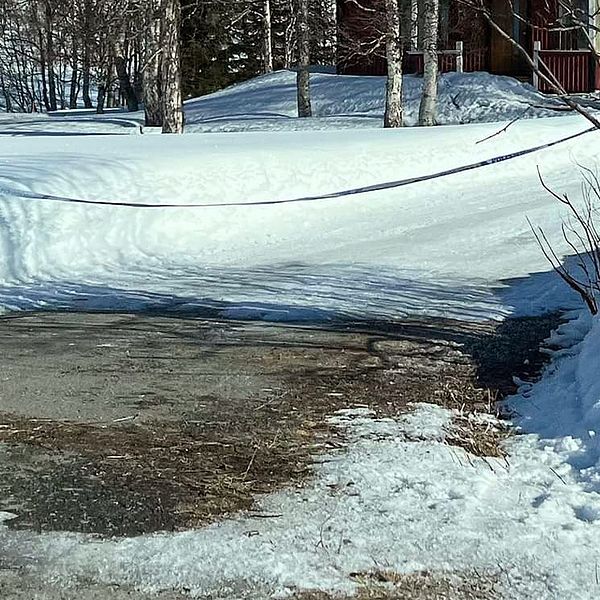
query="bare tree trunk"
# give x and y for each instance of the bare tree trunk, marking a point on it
(406, 20)
(43, 75)
(85, 84)
(111, 100)
(6, 94)
(427, 109)
(125, 87)
(101, 97)
(267, 37)
(151, 83)
(50, 56)
(125, 84)
(393, 51)
(303, 76)
(74, 91)
(136, 69)
(289, 35)
(414, 24)
(85, 66)
(105, 83)
(171, 68)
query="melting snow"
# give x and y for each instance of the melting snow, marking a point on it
(386, 500)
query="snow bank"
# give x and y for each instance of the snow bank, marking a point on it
(442, 247)
(563, 409)
(342, 101)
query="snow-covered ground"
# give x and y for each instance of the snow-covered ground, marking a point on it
(269, 102)
(438, 247)
(454, 246)
(398, 499)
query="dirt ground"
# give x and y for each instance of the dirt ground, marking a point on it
(121, 424)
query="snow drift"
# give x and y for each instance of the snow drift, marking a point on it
(563, 408)
(339, 101)
(442, 247)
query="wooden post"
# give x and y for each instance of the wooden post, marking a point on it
(460, 65)
(537, 47)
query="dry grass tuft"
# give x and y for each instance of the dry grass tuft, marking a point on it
(390, 585)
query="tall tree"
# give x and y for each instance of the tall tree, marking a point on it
(171, 68)
(87, 50)
(303, 75)
(267, 36)
(151, 84)
(431, 20)
(125, 85)
(49, 10)
(393, 116)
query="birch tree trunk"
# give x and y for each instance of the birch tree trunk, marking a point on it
(171, 68)
(393, 51)
(303, 76)
(289, 36)
(431, 18)
(267, 37)
(151, 83)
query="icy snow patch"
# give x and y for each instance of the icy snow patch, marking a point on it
(385, 500)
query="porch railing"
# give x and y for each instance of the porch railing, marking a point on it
(449, 60)
(572, 69)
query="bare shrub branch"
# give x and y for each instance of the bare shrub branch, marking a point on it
(581, 233)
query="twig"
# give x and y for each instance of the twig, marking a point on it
(505, 128)
(250, 464)
(558, 475)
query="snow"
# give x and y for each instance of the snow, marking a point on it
(442, 247)
(564, 407)
(389, 499)
(398, 495)
(269, 102)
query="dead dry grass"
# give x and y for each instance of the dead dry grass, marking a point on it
(185, 473)
(389, 585)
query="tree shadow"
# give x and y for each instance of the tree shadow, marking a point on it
(501, 328)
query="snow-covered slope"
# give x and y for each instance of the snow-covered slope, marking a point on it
(269, 102)
(438, 247)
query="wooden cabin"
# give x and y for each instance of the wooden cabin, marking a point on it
(535, 24)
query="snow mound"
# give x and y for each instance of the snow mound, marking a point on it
(269, 102)
(563, 408)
